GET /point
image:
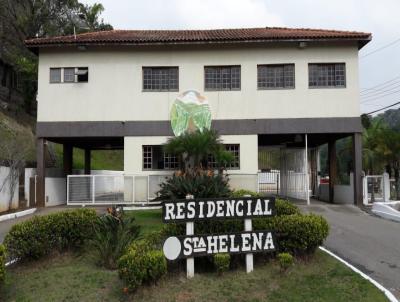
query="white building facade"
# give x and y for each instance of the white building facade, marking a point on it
(265, 87)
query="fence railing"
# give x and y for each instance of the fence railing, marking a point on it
(112, 189)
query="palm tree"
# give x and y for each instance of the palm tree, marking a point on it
(195, 148)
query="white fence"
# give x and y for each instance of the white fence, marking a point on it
(269, 182)
(376, 188)
(113, 189)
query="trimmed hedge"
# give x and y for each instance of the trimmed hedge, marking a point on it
(221, 262)
(2, 263)
(41, 235)
(296, 234)
(285, 207)
(142, 264)
(285, 261)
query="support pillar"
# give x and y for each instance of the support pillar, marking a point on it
(332, 168)
(40, 172)
(67, 159)
(357, 173)
(87, 161)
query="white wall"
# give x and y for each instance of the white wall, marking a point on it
(133, 159)
(55, 191)
(114, 91)
(5, 191)
(344, 194)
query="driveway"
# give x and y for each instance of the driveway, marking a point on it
(370, 243)
(5, 226)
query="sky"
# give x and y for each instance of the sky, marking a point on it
(379, 17)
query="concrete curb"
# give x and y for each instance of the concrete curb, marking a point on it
(17, 214)
(387, 293)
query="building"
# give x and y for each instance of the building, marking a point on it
(292, 88)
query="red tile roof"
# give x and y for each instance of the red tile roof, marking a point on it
(148, 37)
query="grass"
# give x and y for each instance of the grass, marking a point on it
(100, 159)
(149, 220)
(76, 278)
(69, 277)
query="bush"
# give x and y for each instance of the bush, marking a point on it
(112, 236)
(285, 261)
(141, 264)
(200, 186)
(243, 192)
(2, 263)
(221, 262)
(300, 234)
(41, 235)
(285, 207)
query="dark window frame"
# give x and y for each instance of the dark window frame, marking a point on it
(60, 76)
(332, 77)
(221, 74)
(286, 73)
(235, 165)
(155, 159)
(170, 80)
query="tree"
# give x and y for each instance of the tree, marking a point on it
(14, 152)
(23, 19)
(194, 149)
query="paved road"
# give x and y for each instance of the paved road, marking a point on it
(370, 243)
(5, 226)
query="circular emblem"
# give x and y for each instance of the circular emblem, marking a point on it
(172, 248)
(190, 111)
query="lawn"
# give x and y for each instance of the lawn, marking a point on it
(149, 220)
(72, 277)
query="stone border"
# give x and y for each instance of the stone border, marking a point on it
(387, 293)
(17, 214)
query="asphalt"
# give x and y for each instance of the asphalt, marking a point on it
(370, 243)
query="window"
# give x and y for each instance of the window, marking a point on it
(82, 75)
(55, 75)
(160, 79)
(275, 76)
(154, 158)
(69, 75)
(222, 77)
(170, 162)
(235, 150)
(327, 75)
(147, 157)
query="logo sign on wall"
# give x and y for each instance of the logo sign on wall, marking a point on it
(190, 111)
(220, 208)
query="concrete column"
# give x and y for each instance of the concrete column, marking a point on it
(67, 159)
(40, 171)
(357, 160)
(332, 168)
(87, 161)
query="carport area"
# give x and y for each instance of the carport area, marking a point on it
(289, 166)
(59, 183)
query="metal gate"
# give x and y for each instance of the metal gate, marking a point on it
(118, 189)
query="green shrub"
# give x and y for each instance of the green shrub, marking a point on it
(221, 262)
(285, 207)
(2, 263)
(300, 234)
(285, 261)
(201, 186)
(243, 192)
(141, 264)
(112, 236)
(41, 235)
